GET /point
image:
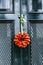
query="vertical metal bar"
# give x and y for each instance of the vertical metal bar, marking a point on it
(20, 30)
(12, 45)
(34, 5)
(28, 31)
(20, 13)
(13, 6)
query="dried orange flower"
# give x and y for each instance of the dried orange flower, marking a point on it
(22, 39)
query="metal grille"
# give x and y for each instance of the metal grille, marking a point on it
(5, 44)
(36, 43)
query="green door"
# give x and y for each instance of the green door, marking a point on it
(35, 27)
(5, 42)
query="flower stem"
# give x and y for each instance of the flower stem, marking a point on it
(21, 28)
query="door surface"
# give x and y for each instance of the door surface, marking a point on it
(5, 42)
(36, 32)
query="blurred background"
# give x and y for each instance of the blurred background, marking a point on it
(32, 10)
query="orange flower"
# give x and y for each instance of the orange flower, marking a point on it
(22, 39)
